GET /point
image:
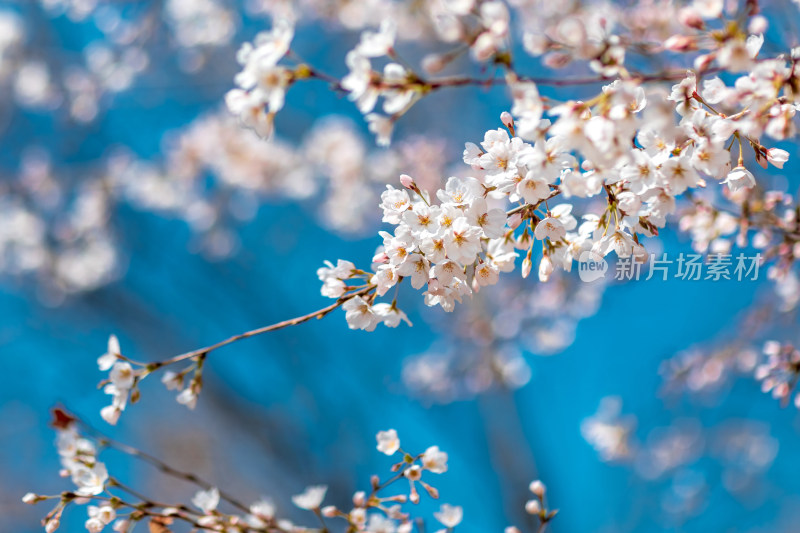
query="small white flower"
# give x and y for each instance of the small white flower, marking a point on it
(434, 460)
(206, 500)
(463, 242)
(384, 279)
(388, 442)
(90, 481)
(122, 375)
(550, 228)
(188, 397)
(94, 525)
(449, 515)
(104, 514)
(263, 509)
(251, 110)
(111, 414)
(359, 314)
(376, 44)
(107, 360)
(619, 241)
(777, 157)
(740, 178)
(395, 204)
(417, 267)
(491, 221)
(390, 315)
(172, 380)
(486, 274)
(460, 191)
(311, 498)
(382, 127)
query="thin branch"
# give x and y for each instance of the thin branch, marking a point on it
(252, 333)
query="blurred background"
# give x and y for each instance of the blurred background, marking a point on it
(132, 204)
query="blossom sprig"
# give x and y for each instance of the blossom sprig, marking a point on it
(113, 503)
(603, 147)
(780, 372)
(485, 30)
(126, 374)
(374, 512)
(537, 507)
(262, 82)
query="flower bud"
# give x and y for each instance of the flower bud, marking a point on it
(691, 18)
(680, 43)
(52, 525)
(329, 511)
(433, 63)
(533, 507)
(527, 265)
(407, 181)
(702, 62)
(545, 268)
(30, 498)
(433, 492)
(514, 220)
(538, 488)
(507, 119)
(758, 24)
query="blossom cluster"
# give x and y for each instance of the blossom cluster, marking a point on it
(637, 158)
(780, 372)
(536, 507)
(372, 510)
(78, 456)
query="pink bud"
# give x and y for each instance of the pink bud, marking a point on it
(758, 24)
(557, 60)
(329, 511)
(433, 63)
(515, 220)
(702, 62)
(679, 43)
(533, 507)
(380, 258)
(507, 119)
(691, 18)
(538, 488)
(407, 181)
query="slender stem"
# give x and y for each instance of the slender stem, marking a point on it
(157, 463)
(252, 333)
(517, 209)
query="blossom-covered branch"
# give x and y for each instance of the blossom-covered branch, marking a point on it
(373, 511)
